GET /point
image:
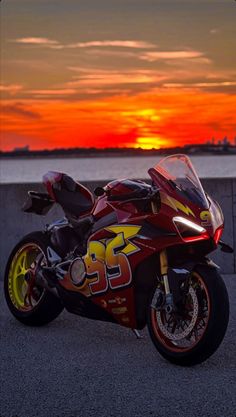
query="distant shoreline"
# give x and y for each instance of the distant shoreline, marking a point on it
(76, 156)
(201, 150)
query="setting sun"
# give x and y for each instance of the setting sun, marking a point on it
(150, 143)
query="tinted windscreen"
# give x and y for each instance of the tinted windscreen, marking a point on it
(180, 173)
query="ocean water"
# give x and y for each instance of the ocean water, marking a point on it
(20, 170)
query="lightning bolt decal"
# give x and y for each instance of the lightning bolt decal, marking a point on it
(175, 204)
(128, 232)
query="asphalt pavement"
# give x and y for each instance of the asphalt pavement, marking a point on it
(76, 367)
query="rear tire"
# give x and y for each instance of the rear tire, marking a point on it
(211, 305)
(32, 306)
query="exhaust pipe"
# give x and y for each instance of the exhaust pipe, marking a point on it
(45, 278)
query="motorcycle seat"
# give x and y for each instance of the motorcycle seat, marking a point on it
(75, 199)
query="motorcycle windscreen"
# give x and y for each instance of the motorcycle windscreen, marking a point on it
(178, 173)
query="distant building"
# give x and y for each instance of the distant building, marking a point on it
(22, 149)
(225, 141)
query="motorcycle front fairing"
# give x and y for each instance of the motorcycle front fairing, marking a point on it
(183, 201)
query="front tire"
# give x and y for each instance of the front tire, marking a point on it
(29, 303)
(191, 336)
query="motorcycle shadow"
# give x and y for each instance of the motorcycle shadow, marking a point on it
(78, 336)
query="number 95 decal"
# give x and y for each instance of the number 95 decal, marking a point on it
(106, 261)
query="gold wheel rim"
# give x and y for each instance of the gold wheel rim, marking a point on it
(20, 291)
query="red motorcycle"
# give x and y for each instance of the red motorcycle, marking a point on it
(134, 255)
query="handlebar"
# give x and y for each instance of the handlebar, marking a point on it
(150, 194)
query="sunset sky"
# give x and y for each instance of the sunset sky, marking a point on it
(114, 73)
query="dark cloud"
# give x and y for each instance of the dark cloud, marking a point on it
(19, 110)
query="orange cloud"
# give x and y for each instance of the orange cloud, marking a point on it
(51, 43)
(200, 85)
(166, 55)
(11, 88)
(115, 43)
(36, 41)
(101, 79)
(53, 92)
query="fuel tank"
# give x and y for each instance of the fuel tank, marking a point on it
(126, 186)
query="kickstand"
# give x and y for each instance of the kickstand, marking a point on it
(137, 334)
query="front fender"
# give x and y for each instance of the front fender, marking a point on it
(145, 279)
(190, 266)
(177, 276)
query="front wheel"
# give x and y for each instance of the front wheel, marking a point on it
(29, 303)
(193, 332)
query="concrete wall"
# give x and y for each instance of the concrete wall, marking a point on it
(14, 224)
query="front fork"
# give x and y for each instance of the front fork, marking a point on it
(164, 270)
(164, 274)
(175, 282)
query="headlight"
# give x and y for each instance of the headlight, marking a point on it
(78, 271)
(187, 228)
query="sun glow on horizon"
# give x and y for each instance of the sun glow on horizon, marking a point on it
(154, 142)
(145, 120)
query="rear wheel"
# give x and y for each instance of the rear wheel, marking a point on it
(191, 334)
(29, 303)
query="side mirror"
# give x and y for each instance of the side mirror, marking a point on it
(225, 248)
(99, 191)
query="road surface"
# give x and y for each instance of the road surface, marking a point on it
(75, 367)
